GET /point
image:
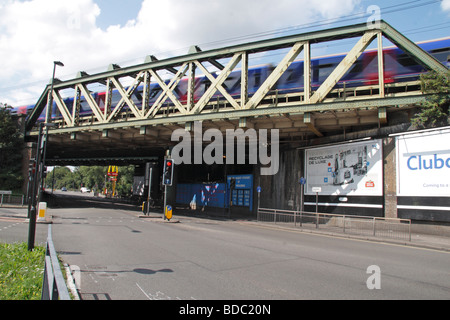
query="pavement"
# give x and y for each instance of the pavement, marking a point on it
(423, 235)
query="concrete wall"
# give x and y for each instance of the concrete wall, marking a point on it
(283, 189)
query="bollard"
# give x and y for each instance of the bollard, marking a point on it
(42, 210)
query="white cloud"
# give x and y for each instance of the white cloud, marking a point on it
(445, 5)
(35, 33)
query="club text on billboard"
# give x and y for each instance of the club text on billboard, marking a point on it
(422, 162)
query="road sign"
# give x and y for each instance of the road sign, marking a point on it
(317, 190)
(113, 171)
(168, 212)
(302, 181)
(258, 189)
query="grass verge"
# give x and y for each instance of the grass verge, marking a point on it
(21, 272)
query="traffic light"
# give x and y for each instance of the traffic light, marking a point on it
(168, 172)
(32, 167)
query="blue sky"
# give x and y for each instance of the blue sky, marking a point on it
(88, 35)
(117, 12)
(420, 20)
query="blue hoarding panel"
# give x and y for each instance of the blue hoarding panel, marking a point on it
(218, 194)
(212, 195)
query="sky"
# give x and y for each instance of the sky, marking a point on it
(88, 35)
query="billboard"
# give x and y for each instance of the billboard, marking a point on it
(345, 169)
(423, 164)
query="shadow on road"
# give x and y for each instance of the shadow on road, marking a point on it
(79, 200)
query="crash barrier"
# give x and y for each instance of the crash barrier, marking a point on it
(349, 224)
(54, 286)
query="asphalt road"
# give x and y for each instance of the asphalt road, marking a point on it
(122, 256)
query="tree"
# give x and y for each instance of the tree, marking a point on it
(61, 176)
(125, 181)
(11, 145)
(92, 177)
(434, 112)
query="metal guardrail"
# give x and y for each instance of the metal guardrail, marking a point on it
(349, 224)
(54, 286)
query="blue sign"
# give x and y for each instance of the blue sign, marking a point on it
(258, 189)
(242, 194)
(302, 180)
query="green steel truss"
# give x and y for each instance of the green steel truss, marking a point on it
(167, 109)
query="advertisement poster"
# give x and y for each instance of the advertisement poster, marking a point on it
(423, 164)
(346, 169)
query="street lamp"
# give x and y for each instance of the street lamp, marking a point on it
(48, 120)
(40, 163)
(48, 117)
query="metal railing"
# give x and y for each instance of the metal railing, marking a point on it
(54, 286)
(12, 199)
(348, 224)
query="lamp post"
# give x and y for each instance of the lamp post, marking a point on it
(50, 104)
(40, 164)
(48, 120)
(32, 204)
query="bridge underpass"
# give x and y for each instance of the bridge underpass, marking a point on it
(127, 115)
(132, 146)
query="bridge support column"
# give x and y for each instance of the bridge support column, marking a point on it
(390, 178)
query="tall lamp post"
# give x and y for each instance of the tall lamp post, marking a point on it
(48, 120)
(40, 164)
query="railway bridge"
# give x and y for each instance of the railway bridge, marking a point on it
(127, 115)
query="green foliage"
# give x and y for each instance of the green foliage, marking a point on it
(125, 180)
(11, 146)
(21, 272)
(434, 112)
(93, 177)
(61, 175)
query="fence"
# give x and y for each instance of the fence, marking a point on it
(349, 224)
(54, 286)
(11, 199)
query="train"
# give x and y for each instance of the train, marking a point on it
(398, 67)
